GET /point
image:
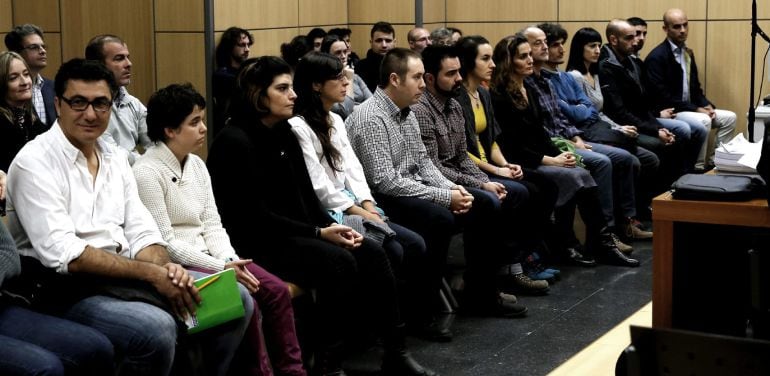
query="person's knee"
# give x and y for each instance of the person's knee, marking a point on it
(94, 353)
(157, 332)
(48, 364)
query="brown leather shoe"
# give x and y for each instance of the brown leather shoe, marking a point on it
(622, 247)
(634, 230)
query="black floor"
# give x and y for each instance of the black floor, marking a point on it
(581, 307)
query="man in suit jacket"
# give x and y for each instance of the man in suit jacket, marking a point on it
(673, 75)
(27, 41)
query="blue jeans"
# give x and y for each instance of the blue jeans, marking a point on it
(34, 343)
(143, 335)
(692, 137)
(601, 168)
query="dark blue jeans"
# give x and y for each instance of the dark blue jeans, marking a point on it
(32, 343)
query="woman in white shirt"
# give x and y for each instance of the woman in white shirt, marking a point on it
(175, 186)
(340, 184)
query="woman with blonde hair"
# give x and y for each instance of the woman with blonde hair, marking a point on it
(18, 122)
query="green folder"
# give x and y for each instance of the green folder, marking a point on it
(220, 302)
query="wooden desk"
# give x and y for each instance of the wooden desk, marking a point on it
(665, 211)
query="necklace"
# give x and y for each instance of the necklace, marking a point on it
(476, 100)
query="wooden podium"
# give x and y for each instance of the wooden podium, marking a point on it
(665, 212)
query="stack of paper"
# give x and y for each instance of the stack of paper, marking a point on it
(738, 156)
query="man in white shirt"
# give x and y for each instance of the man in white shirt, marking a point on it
(128, 125)
(76, 216)
(27, 41)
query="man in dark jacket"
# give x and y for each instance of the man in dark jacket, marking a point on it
(625, 100)
(383, 39)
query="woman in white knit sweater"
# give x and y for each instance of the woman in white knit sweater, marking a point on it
(175, 186)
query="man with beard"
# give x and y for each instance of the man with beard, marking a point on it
(128, 125)
(442, 128)
(27, 41)
(232, 50)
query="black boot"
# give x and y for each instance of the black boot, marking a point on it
(397, 361)
(608, 253)
(599, 241)
(569, 248)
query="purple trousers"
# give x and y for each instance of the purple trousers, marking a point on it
(271, 334)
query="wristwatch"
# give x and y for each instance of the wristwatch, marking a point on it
(317, 232)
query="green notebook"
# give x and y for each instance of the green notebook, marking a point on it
(220, 302)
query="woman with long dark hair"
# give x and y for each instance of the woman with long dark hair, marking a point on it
(524, 140)
(340, 183)
(269, 207)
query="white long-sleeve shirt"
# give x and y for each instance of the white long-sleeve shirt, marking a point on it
(56, 208)
(182, 203)
(328, 183)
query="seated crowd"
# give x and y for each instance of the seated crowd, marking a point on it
(347, 177)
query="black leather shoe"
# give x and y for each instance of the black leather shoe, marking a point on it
(436, 330)
(401, 363)
(614, 257)
(574, 257)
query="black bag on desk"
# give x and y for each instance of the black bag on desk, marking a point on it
(706, 187)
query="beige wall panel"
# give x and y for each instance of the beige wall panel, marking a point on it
(492, 31)
(179, 15)
(430, 27)
(53, 50)
(268, 42)
(132, 21)
(43, 13)
(731, 9)
(180, 58)
(359, 39)
(255, 14)
(371, 11)
(6, 17)
(601, 10)
(500, 10)
(327, 12)
(433, 11)
(729, 66)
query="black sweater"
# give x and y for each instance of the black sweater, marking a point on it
(261, 185)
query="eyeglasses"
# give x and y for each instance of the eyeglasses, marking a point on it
(81, 104)
(35, 47)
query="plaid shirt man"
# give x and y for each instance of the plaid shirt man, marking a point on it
(554, 120)
(442, 127)
(387, 141)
